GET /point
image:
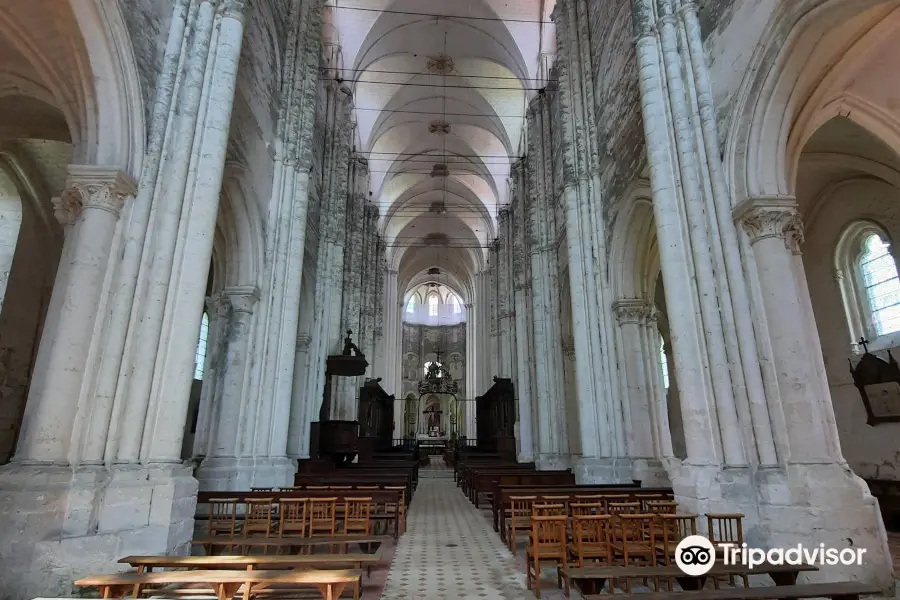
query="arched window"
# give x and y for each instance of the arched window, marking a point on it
(433, 302)
(428, 366)
(663, 363)
(200, 354)
(411, 305)
(454, 302)
(870, 287)
(881, 284)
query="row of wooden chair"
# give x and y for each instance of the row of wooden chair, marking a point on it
(301, 517)
(621, 538)
(342, 488)
(524, 507)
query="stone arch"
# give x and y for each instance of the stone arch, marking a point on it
(798, 81)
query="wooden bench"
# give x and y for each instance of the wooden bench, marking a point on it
(351, 560)
(839, 590)
(591, 579)
(367, 543)
(501, 500)
(478, 459)
(225, 583)
(483, 482)
(471, 473)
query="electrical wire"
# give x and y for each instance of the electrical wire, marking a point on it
(428, 112)
(464, 87)
(389, 72)
(437, 16)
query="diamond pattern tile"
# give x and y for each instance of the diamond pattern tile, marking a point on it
(450, 551)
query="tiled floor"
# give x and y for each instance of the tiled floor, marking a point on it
(450, 550)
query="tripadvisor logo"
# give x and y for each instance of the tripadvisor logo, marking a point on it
(695, 555)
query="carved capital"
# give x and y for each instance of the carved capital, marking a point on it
(772, 217)
(632, 311)
(93, 187)
(233, 9)
(242, 297)
(218, 305)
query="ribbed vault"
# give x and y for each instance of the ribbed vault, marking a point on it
(440, 93)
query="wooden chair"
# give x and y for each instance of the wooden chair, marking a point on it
(397, 509)
(564, 500)
(222, 519)
(340, 488)
(590, 541)
(726, 529)
(321, 516)
(623, 508)
(519, 518)
(546, 543)
(659, 507)
(262, 489)
(577, 509)
(673, 529)
(258, 514)
(614, 498)
(357, 516)
(635, 542)
(541, 509)
(317, 487)
(293, 516)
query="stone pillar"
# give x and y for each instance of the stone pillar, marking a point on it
(218, 308)
(223, 467)
(493, 288)
(505, 308)
(637, 381)
(471, 370)
(89, 210)
(298, 428)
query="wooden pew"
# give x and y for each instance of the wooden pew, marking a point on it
(839, 590)
(225, 583)
(474, 457)
(500, 502)
(350, 560)
(365, 474)
(366, 543)
(470, 470)
(483, 482)
(591, 579)
(478, 479)
(355, 480)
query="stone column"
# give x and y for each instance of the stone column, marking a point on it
(775, 232)
(180, 264)
(471, 369)
(218, 308)
(505, 308)
(642, 428)
(298, 428)
(493, 289)
(89, 209)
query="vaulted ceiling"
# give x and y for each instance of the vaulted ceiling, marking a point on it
(440, 83)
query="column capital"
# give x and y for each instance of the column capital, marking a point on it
(218, 305)
(233, 9)
(242, 297)
(771, 217)
(93, 186)
(634, 310)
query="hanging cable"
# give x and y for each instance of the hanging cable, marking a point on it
(433, 15)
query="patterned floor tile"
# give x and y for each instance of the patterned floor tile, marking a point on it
(450, 551)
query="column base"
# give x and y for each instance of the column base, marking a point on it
(525, 458)
(590, 471)
(808, 504)
(650, 472)
(219, 474)
(553, 462)
(60, 524)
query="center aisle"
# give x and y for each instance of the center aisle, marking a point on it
(450, 551)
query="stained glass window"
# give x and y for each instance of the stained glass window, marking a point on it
(200, 354)
(882, 285)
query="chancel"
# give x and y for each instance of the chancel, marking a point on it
(296, 292)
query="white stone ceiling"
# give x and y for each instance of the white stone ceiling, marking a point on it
(440, 83)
